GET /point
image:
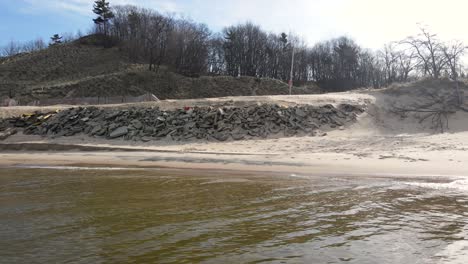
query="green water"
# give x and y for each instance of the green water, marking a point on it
(120, 216)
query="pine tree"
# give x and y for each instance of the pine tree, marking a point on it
(56, 39)
(284, 38)
(104, 13)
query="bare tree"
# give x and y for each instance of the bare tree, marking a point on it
(246, 49)
(435, 58)
(390, 60)
(188, 47)
(429, 51)
(216, 56)
(34, 45)
(407, 63)
(156, 37)
(10, 49)
(453, 53)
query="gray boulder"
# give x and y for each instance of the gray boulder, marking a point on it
(7, 133)
(121, 131)
(137, 124)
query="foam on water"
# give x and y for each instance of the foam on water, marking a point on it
(459, 184)
(457, 251)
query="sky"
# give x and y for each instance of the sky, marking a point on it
(372, 23)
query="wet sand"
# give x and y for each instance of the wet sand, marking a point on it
(409, 156)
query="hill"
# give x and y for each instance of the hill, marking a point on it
(85, 69)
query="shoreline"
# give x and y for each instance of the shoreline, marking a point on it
(319, 163)
(378, 142)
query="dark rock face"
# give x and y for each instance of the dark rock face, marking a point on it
(226, 123)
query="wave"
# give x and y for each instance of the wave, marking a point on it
(459, 184)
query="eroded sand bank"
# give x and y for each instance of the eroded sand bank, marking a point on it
(380, 143)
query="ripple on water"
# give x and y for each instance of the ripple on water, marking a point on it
(146, 217)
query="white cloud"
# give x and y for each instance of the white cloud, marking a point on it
(84, 7)
(81, 7)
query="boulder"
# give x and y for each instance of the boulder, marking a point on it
(221, 136)
(7, 133)
(300, 112)
(136, 124)
(121, 131)
(95, 130)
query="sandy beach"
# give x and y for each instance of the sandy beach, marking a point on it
(424, 155)
(379, 143)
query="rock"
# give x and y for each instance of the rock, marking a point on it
(137, 124)
(59, 134)
(112, 126)
(189, 125)
(7, 133)
(20, 123)
(132, 135)
(212, 123)
(237, 136)
(73, 131)
(221, 136)
(300, 112)
(162, 133)
(350, 108)
(148, 130)
(145, 139)
(87, 130)
(121, 131)
(319, 133)
(274, 129)
(112, 115)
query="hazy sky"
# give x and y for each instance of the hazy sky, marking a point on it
(370, 22)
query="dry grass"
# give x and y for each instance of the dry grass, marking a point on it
(422, 87)
(83, 70)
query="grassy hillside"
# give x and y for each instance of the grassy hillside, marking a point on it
(82, 69)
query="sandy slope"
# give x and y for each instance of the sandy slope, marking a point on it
(379, 143)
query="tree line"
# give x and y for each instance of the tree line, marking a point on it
(339, 64)
(192, 49)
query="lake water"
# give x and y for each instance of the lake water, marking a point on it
(152, 216)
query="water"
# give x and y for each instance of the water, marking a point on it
(150, 216)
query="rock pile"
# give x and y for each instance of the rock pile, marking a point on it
(145, 124)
